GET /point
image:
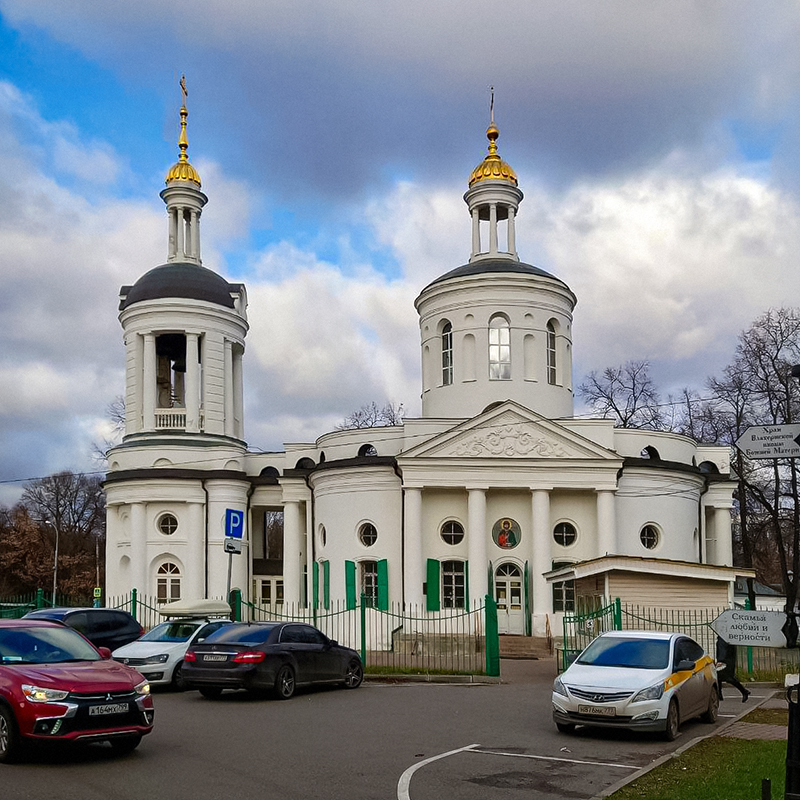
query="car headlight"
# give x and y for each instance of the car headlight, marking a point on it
(160, 659)
(39, 694)
(143, 688)
(559, 688)
(655, 692)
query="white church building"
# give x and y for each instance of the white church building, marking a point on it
(495, 489)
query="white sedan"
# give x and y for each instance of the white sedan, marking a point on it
(641, 680)
(158, 655)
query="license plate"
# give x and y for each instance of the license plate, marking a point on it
(215, 658)
(111, 708)
(598, 711)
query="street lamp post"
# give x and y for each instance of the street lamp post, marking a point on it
(55, 559)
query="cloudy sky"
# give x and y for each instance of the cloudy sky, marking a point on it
(656, 143)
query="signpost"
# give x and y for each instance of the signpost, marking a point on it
(770, 441)
(234, 534)
(751, 628)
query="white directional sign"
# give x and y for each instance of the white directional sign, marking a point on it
(770, 441)
(751, 628)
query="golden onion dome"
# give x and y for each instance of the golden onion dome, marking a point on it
(493, 168)
(183, 170)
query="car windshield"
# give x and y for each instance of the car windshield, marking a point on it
(618, 651)
(43, 646)
(171, 632)
(241, 634)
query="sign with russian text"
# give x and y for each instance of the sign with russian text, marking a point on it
(770, 441)
(751, 628)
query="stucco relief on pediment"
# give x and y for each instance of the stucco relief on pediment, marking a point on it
(518, 439)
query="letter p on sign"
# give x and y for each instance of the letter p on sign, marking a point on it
(234, 523)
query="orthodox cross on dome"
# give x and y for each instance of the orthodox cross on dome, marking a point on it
(183, 170)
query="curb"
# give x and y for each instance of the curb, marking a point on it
(609, 790)
(445, 679)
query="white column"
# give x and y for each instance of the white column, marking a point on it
(606, 524)
(139, 577)
(192, 394)
(413, 566)
(476, 543)
(148, 378)
(180, 234)
(292, 546)
(512, 234)
(228, 384)
(722, 531)
(173, 234)
(542, 559)
(476, 232)
(238, 396)
(493, 228)
(194, 582)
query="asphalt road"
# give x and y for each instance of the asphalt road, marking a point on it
(407, 741)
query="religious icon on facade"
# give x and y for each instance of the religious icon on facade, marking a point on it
(506, 533)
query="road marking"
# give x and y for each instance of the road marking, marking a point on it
(405, 778)
(556, 758)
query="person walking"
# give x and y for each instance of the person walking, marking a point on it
(726, 668)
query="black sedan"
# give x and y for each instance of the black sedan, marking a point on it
(269, 656)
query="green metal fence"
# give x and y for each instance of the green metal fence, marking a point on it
(402, 640)
(755, 663)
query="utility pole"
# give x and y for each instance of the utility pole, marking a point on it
(55, 558)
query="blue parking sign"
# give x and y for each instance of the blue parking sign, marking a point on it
(234, 523)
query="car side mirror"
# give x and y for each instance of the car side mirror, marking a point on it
(105, 653)
(684, 665)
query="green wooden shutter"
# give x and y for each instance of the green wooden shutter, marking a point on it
(315, 584)
(490, 584)
(350, 583)
(326, 583)
(383, 585)
(432, 596)
(528, 604)
(466, 586)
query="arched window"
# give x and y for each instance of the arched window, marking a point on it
(499, 349)
(452, 532)
(168, 583)
(369, 582)
(453, 584)
(552, 375)
(447, 354)
(367, 451)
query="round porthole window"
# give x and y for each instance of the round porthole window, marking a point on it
(649, 536)
(167, 524)
(367, 534)
(452, 532)
(565, 534)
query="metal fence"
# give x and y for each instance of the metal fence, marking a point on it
(403, 639)
(756, 663)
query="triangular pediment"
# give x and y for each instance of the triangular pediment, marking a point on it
(510, 431)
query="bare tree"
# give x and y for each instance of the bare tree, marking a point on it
(373, 416)
(627, 394)
(115, 413)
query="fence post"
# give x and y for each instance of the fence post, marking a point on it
(492, 638)
(134, 594)
(617, 614)
(235, 601)
(363, 629)
(40, 598)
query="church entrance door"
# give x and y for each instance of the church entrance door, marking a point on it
(508, 595)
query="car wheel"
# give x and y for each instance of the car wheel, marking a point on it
(284, 683)
(178, 681)
(673, 722)
(565, 727)
(211, 692)
(10, 744)
(354, 674)
(125, 744)
(710, 715)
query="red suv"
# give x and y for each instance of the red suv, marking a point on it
(56, 686)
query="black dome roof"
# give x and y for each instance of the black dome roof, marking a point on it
(493, 265)
(179, 279)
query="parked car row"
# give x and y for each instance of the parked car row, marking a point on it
(59, 682)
